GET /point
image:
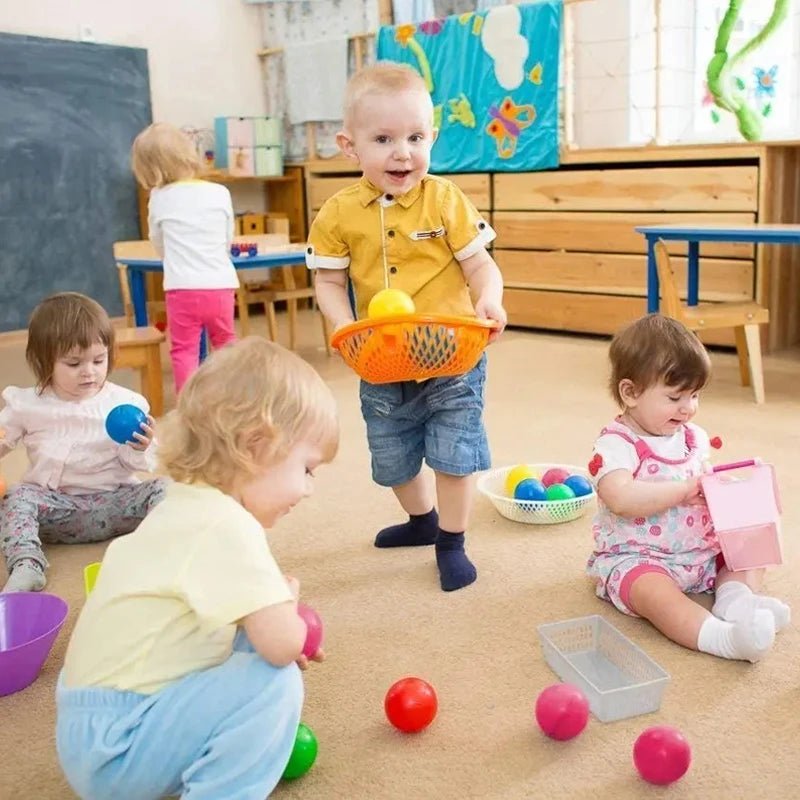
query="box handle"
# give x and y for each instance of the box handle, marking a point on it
(752, 462)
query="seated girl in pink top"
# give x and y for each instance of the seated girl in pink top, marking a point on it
(653, 537)
(80, 484)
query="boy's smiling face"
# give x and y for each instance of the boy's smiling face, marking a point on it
(391, 135)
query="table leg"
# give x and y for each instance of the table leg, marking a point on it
(652, 276)
(693, 289)
(138, 296)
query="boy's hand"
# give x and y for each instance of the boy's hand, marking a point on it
(303, 662)
(143, 440)
(488, 308)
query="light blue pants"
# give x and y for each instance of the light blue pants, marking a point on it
(225, 732)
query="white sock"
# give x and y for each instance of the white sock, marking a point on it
(743, 640)
(735, 601)
(27, 576)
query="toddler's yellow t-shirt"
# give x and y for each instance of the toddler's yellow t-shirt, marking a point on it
(169, 595)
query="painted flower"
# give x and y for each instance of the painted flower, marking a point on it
(765, 81)
(655, 530)
(708, 98)
(404, 33)
(432, 27)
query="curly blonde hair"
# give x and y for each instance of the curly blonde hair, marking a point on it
(246, 395)
(162, 154)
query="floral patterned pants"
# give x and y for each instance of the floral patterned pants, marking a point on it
(32, 514)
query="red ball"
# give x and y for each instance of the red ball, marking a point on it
(411, 704)
(662, 755)
(562, 711)
(555, 475)
(314, 626)
(161, 326)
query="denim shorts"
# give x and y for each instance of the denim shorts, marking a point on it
(439, 420)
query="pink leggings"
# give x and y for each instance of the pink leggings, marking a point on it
(189, 311)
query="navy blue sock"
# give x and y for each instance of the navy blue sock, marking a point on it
(420, 529)
(455, 570)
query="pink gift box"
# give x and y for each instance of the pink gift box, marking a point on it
(744, 505)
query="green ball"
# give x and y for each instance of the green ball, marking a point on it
(304, 753)
(559, 491)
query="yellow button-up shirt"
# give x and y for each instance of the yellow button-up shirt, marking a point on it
(413, 242)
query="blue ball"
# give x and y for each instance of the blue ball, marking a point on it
(579, 485)
(123, 421)
(530, 489)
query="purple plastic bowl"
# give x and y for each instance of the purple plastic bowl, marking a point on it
(29, 624)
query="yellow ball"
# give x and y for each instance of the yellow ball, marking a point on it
(390, 303)
(517, 474)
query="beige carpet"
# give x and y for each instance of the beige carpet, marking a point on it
(385, 616)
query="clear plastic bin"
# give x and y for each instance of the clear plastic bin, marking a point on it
(618, 678)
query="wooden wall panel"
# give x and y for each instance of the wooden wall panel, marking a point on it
(720, 279)
(718, 188)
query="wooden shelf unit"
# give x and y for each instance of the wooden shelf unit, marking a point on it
(567, 247)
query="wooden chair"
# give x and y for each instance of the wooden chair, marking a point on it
(136, 249)
(258, 286)
(140, 349)
(744, 318)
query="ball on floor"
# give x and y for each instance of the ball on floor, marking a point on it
(662, 755)
(410, 704)
(304, 753)
(562, 711)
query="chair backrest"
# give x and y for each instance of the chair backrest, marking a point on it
(670, 300)
(140, 248)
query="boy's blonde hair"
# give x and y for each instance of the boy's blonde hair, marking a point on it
(244, 396)
(163, 154)
(384, 77)
(61, 323)
(656, 348)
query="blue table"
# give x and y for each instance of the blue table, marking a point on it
(751, 233)
(138, 267)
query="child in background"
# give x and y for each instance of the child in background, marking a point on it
(80, 485)
(400, 227)
(179, 678)
(191, 227)
(654, 540)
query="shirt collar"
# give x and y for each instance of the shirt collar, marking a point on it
(368, 193)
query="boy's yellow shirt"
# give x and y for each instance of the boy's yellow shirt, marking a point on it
(426, 232)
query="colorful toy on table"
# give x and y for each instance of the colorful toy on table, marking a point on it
(411, 704)
(123, 421)
(314, 629)
(244, 249)
(29, 622)
(662, 755)
(744, 505)
(304, 753)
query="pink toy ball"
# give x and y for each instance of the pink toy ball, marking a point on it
(314, 626)
(662, 755)
(554, 475)
(29, 624)
(562, 711)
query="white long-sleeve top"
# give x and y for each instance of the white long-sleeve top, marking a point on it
(191, 227)
(68, 448)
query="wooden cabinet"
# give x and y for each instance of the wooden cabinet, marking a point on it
(566, 241)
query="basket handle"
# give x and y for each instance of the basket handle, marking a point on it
(751, 462)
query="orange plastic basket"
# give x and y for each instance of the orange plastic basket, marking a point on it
(412, 347)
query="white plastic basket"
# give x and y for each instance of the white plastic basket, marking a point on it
(618, 678)
(534, 512)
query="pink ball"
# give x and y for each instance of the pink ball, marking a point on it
(562, 711)
(314, 625)
(662, 755)
(555, 475)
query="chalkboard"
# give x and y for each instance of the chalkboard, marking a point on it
(69, 112)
